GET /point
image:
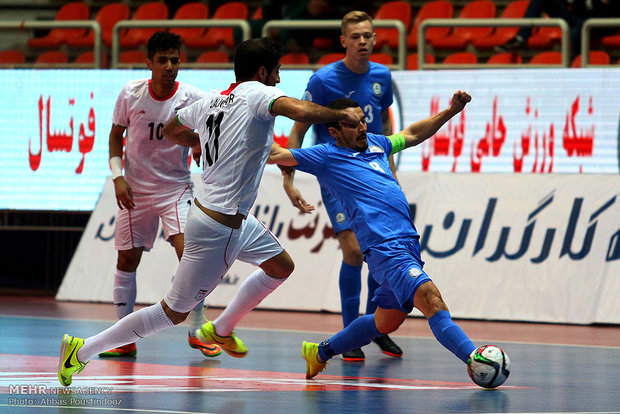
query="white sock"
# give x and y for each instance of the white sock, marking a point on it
(136, 325)
(124, 293)
(195, 318)
(251, 292)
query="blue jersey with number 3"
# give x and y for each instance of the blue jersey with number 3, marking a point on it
(371, 90)
(363, 183)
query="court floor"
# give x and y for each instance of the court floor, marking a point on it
(555, 368)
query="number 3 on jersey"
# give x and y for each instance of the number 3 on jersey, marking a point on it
(213, 126)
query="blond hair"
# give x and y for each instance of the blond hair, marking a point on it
(354, 17)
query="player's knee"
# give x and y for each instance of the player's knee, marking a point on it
(388, 320)
(174, 316)
(128, 261)
(279, 267)
(428, 299)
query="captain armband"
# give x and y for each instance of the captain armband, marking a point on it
(116, 167)
(398, 143)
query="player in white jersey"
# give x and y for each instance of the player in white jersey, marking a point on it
(157, 183)
(236, 133)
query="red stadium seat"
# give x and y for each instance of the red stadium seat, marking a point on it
(612, 40)
(107, 17)
(56, 37)
(188, 11)
(501, 35)
(596, 57)
(437, 9)
(12, 57)
(544, 37)
(461, 58)
(212, 56)
(133, 38)
(217, 36)
(136, 57)
(412, 60)
(383, 58)
(330, 58)
(397, 10)
(462, 36)
(51, 57)
(89, 58)
(295, 58)
(505, 58)
(549, 57)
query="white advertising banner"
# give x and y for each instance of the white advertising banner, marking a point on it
(56, 123)
(499, 246)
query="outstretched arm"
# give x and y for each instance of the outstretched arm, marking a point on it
(309, 112)
(420, 131)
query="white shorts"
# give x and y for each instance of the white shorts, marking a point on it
(210, 249)
(138, 227)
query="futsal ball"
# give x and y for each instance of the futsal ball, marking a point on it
(488, 366)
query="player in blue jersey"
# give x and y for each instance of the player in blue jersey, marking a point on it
(356, 170)
(369, 84)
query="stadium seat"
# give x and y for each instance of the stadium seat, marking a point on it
(212, 56)
(133, 38)
(89, 57)
(107, 17)
(51, 57)
(258, 13)
(330, 58)
(12, 57)
(136, 57)
(188, 11)
(412, 60)
(462, 36)
(383, 58)
(398, 10)
(437, 9)
(543, 37)
(596, 57)
(461, 58)
(217, 36)
(295, 58)
(56, 37)
(548, 57)
(505, 58)
(501, 35)
(611, 40)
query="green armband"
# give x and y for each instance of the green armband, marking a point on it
(398, 143)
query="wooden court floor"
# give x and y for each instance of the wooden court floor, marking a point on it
(555, 368)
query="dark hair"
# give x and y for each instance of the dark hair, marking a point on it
(162, 41)
(251, 54)
(340, 103)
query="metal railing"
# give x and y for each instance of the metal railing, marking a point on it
(60, 24)
(585, 36)
(128, 24)
(565, 44)
(335, 24)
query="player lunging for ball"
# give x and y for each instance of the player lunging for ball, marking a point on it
(355, 169)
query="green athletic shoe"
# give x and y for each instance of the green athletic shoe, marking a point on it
(231, 344)
(310, 352)
(68, 363)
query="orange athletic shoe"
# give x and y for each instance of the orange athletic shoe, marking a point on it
(125, 350)
(208, 350)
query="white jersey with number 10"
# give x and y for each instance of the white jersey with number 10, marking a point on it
(236, 133)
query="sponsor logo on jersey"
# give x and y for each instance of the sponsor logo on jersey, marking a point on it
(340, 218)
(414, 272)
(307, 96)
(375, 148)
(348, 94)
(376, 88)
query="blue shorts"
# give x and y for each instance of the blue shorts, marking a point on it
(335, 211)
(397, 267)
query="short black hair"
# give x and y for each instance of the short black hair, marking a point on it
(340, 103)
(251, 54)
(162, 41)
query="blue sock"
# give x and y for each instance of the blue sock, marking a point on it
(350, 282)
(371, 307)
(450, 335)
(359, 333)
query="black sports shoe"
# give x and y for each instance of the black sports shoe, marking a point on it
(354, 355)
(516, 43)
(388, 346)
